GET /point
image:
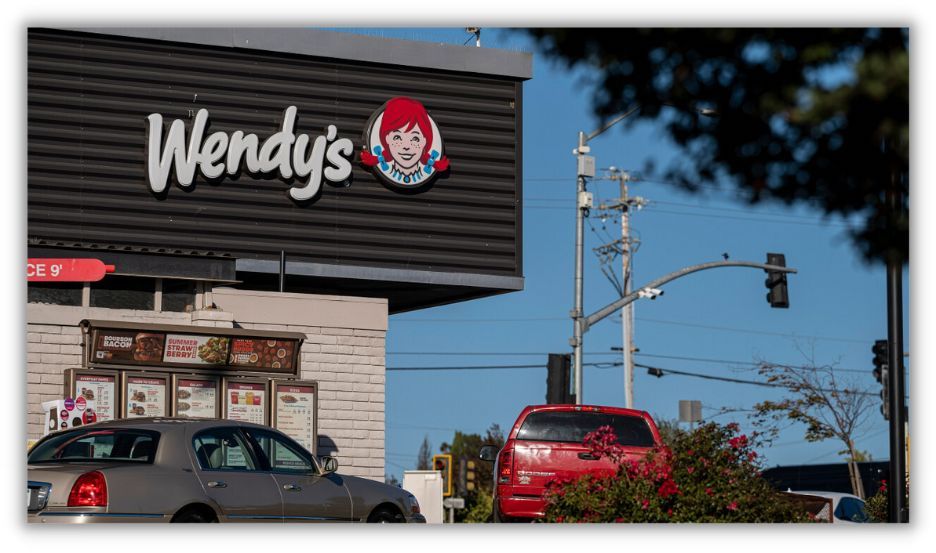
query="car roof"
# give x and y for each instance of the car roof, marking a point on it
(585, 408)
(164, 423)
(831, 495)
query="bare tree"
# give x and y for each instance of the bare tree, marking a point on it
(817, 396)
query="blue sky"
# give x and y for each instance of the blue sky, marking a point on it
(838, 305)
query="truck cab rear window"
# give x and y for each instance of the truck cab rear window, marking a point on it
(572, 426)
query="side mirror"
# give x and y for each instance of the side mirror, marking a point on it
(488, 453)
(329, 465)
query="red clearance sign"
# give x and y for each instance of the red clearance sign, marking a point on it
(66, 270)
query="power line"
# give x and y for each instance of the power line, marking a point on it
(487, 367)
(614, 353)
(749, 331)
(757, 220)
(488, 354)
(661, 371)
(642, 319)
(804, 218)
(750, 363)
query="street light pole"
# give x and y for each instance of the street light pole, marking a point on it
(582, 205)
(585, 169)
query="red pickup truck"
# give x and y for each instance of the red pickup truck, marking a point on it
(546, 443)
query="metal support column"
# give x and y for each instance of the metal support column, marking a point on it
(897, 488)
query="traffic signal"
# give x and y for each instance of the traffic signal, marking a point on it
(470, 476)
(776, 282)
(881, 365)
(557, 378)
(443, 463)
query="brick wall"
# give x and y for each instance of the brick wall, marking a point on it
(53, 344)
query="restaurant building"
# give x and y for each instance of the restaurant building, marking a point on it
(267, 198)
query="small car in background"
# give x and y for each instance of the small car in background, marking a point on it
(545, 444)
(846, 508)
(197, 470)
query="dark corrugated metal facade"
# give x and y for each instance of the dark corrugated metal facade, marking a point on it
(89, 96)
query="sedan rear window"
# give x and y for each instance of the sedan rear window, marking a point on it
(572, 426)
(82, 446)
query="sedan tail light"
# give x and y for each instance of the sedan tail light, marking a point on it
(505, 466)
(90, 490)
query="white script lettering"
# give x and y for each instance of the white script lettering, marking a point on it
(283, 152)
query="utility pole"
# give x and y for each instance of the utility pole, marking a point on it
(627, 251)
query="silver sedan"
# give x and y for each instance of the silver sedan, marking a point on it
(197, 470)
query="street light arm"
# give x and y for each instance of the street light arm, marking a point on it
(590, 320)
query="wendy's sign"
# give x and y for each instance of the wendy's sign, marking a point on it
(309, 160)
(403, 145)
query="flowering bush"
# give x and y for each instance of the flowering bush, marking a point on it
(710, 475)
(876, 505)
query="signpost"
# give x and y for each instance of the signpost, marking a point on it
(66, 270)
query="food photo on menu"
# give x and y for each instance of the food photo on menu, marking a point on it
(196, 398)
(146, 397)
(246, 402)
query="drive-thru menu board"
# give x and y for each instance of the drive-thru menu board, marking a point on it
(100, 388)
(145, 395)
(295, 411)
(262, 353)
(245, 401)
(197, 350)
(196, 397)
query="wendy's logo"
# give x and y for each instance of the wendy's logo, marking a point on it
(403, 145)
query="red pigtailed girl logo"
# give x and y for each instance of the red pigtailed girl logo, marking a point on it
(403, 145)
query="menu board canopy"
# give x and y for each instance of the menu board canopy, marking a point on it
(189, 347)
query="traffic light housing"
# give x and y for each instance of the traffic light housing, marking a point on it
(776, 282)
(881, 366)
(470, 475)
(558, 367)
(443, 463)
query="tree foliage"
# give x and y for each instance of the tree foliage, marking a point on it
(816, 397)
(466, 447)
(814, 116)
(424, 457)
(709, 475)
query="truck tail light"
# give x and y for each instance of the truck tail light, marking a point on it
(90, 490)
(505, 466)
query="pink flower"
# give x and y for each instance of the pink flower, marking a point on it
(667, 489)
(709, 491)
(645, 504)
(733, 506)
(690, 470)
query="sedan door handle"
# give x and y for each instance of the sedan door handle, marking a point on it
(587, 456)
(217, 484)
(292, 487)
